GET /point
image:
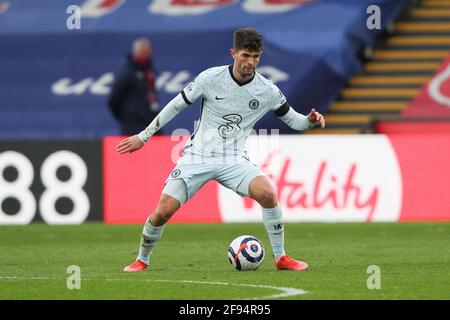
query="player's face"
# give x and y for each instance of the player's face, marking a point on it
(245, 62)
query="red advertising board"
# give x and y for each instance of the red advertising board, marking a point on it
(424, 165)
(412, 126)
(433, 101)
(360, 178)
(133, 183)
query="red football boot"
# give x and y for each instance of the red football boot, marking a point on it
(287, 263)
(137, 266)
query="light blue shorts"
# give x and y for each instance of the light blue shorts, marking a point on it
(235, 176)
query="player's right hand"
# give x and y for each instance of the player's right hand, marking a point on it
(129, 145)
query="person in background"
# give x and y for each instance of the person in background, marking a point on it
(133, 99)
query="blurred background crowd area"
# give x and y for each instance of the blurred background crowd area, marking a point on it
(369, 66)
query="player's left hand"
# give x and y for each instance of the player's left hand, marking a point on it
(316, 118)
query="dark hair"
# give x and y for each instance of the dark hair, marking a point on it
(247, 38)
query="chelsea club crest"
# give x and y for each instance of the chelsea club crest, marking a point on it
(253, 104)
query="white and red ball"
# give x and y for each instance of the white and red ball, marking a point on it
(246, 253)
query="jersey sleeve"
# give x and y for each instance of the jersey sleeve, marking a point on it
(276, 97)
(194, 89)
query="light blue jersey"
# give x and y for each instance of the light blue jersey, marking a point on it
(229, 111)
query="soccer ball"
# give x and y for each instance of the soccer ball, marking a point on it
(246, 253)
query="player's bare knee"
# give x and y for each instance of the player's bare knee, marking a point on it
(157, 219)
(167, 206)
(162, 215)
(271, 200)
(267, 198)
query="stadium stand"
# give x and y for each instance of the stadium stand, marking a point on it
(401, 63)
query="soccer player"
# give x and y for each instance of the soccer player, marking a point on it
(234, 98)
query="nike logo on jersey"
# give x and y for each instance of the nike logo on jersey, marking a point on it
(217, 98)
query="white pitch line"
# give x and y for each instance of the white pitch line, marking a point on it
(28, 278)
(285, 291)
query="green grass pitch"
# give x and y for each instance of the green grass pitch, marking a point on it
(190, 262)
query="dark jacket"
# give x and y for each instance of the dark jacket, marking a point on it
(128, 99)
